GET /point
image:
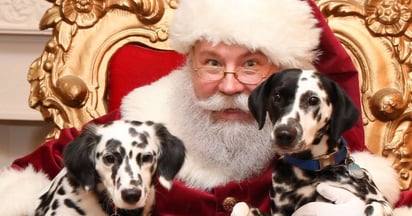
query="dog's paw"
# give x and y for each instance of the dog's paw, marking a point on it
(378, 209)
(241, 209)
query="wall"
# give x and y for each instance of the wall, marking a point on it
(21, 128)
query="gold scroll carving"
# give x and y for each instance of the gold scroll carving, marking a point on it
(68, 81)
(377, 34)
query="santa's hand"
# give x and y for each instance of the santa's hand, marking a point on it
(345, 203)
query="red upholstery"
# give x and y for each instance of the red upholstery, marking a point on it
(134, 65)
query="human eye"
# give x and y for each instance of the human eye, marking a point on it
(250, 63)
(212, 63)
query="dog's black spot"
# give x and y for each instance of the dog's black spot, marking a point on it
(317, 114)
(70, 204)
(128, 168)
(136, 123)
(319, 117)
(55, 204)
(61, 191)
(117, 182)
(133, 132)
(149, 123)
(143, 141)
(304, 101)
(130, 154)
(113, 144)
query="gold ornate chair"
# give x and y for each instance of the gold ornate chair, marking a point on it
(90, 39)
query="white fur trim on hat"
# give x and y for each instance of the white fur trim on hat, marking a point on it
(284, 30)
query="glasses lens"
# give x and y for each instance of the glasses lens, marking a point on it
(210, 73)
(249, 76)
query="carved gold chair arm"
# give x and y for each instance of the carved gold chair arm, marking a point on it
(68, 81)
(377, 34)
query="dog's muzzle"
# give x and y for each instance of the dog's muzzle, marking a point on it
(287, 136)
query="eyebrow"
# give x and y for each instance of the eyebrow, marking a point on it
(213, 53)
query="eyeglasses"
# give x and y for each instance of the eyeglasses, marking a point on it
(243, 75)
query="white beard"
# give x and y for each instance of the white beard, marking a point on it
(219, 151)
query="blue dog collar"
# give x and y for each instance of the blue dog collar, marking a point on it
(321, 162)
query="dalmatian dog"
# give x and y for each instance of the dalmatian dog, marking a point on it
(309, 113)
(111, 169)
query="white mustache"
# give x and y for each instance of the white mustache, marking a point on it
(220, 101)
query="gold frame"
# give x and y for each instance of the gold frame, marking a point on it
(68, 81)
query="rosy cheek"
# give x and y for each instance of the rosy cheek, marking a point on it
(250, 88)
(204, 89)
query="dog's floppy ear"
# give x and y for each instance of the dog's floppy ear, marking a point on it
(345, 114)
(258, 100)
(172, 155)
(79, 160)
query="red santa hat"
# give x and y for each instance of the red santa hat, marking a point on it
(284, 30)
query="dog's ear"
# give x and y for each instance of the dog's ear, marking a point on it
(78, 158)
(258, 100)
(345, 114)
(172, 155)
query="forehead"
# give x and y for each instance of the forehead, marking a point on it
(126, 135)
(204, 47)
(310, 81)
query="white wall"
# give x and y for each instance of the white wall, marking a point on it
(21, 128)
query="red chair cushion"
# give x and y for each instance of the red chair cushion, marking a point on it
(135, 65)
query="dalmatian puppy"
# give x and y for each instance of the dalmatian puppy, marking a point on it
(112, 169)
(309, 113)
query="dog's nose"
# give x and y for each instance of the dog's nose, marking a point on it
(285, 136)
(131, 195)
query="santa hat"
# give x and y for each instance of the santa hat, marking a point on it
(284, 30)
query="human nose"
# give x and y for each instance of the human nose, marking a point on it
(230, 84)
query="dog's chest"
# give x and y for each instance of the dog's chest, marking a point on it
(294, 187)
(64, 199)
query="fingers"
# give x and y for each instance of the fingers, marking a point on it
(335, 194)
(343, 203)
(240, 209)
(314, 208)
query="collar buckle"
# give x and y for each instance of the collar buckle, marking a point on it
(326, 160)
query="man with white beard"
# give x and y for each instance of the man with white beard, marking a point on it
(219, 127)
(231, 47)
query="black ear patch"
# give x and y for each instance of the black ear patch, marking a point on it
(172, 154)
(345, 114)
(79, 161)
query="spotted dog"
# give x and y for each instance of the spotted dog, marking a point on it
(309, 113)
(111, 169)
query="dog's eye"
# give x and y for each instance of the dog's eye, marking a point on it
(109, 159)
(147, 158)
(313, 101)
(276, 97)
